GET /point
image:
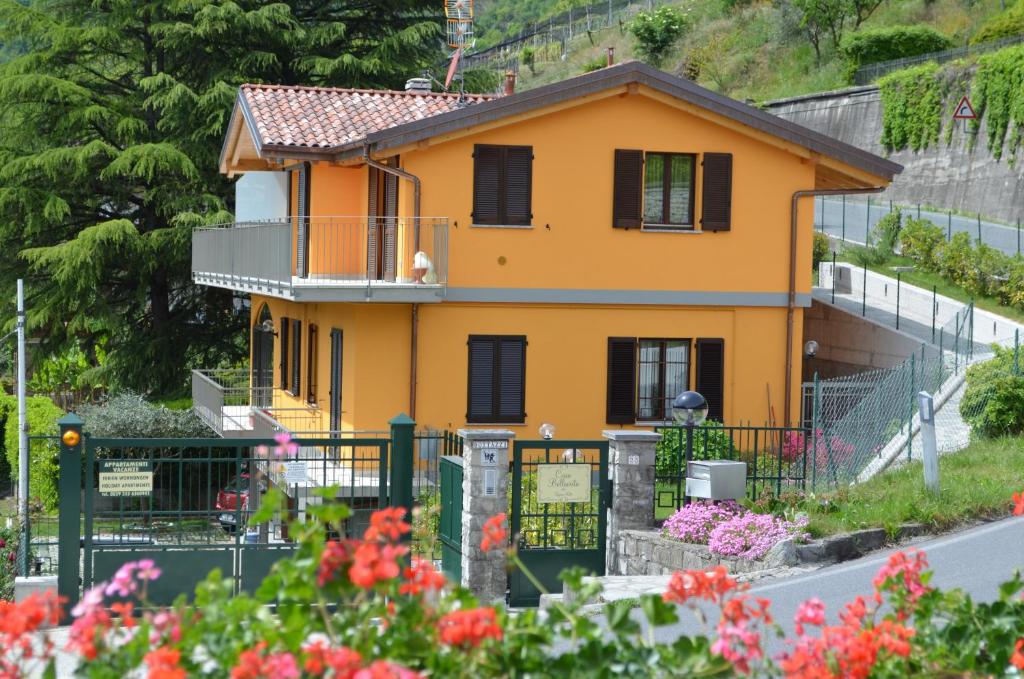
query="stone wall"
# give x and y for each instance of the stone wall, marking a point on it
(962, 176)
(642, 552)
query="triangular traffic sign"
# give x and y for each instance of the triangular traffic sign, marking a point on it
(964, 110)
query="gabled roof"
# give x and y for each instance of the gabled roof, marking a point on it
(339, 124)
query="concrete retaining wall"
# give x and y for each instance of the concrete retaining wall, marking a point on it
(849, 344)
(956, 176)
(648, 553)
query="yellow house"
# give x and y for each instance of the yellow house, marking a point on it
(576, 254)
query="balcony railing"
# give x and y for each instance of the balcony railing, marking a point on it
(397, 258)
(228, 404)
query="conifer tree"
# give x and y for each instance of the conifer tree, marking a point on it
(111, 122)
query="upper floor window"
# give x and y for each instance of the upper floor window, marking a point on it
(502, 185)
(668, 189)
(655, 189)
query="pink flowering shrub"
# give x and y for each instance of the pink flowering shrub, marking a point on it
(836, 450)
(695, 521)
(729, 529)
(750, 536)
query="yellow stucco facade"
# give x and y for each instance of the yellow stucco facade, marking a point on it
(570, 281)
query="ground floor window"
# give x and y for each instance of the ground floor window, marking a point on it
(663, 369)
(497, 379)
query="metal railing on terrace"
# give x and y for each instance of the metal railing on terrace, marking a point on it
(357, 254)
(228, 403)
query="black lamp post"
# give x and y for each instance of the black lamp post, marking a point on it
(689, 410)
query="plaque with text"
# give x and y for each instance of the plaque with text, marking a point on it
(126, 478)
(563, 483)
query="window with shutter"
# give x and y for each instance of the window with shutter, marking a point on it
(711, 375)
(497, 379)
(663, 369)
(296, 369)
(302, 238)
(285, 356)
(621, 380)
(311, 364)
(716, 195)
(502, 185)
(627, 199)
(668, 189)
(336, 365)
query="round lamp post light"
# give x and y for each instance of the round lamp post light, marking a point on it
(689, 409)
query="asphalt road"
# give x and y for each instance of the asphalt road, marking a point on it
(976, 560)
(850, 220)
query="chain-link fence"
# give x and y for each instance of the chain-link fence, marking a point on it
(866, 422)
(871, 72)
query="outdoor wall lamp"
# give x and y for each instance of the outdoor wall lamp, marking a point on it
(811, 349)
(547, 431)
(268, 326)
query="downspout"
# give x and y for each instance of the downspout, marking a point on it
(791, 303)
(414, 330)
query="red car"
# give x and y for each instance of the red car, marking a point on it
(234, 496)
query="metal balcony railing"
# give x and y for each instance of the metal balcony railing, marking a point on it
(225, 400)
(291, 255)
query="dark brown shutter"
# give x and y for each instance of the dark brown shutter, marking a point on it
(296, 340)
(337, 346)
(716, 196)
(621, 380)
(390, 224)
(711, 375)
(487, 166)
(482, 374)
(285, 356)
(517, 185)
(311, 364)
(627, 194)
(371, 224)
(302, 240)
(511, 380)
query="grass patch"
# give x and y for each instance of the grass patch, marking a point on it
(927, 279)
(975, 483)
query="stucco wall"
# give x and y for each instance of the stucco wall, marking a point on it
(955, 176)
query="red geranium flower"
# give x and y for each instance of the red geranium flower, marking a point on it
(494, 533)
(335, 555)
(373, 563)
(469, 627)
(1017, 659)
(387, 524)
(382, 669)
(1018, 504)
(343, 662)
(710, 585)
(421, 577)
(163, 664)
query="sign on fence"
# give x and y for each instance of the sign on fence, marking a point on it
(563, 483)
(126, 478)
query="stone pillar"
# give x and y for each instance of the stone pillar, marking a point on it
(631, 465)
(484, 494)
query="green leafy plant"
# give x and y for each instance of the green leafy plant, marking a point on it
(655, 32)
(922, 241)
(821, 250)
(1003, 25)
(529, 57)
(710, 442)
(911, 107)
(993, 402)
(999, 97)
(595, 64)
(870, 46)
(130, 415)
(42, 421)
(886, 233)
(9, 537)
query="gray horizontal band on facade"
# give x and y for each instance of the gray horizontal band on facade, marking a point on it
(627, 297)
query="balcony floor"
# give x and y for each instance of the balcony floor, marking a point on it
(323, 289)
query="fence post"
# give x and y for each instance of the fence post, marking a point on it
(899, 278)
(980, 241)
(833, 277)
(485, 485)
(864, 293)
(970, 332)
(919, 211)
(935, 309)
(632, 458)
(910, 405)
(402, 427)
(1018, 235)
(867, 222)
(949, 225)
(1016, 351)
(69, 510)
(942, 360)
(813, 435)
(844, 224)
(956, 345)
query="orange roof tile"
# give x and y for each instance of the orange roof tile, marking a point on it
(324, 117)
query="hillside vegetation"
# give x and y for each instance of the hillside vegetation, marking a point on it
(757, 50)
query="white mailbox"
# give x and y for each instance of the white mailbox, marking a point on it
(716, 479)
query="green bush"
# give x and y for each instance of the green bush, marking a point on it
(886, 233)
(883, 44)
(1003, 25)
(129, 415)
(8, 561)
(529, 57)
(955, 261)
(993, 403)
(922, 241)
(988, 271)
(657, 31)
(595, 64)
(710, 442)
(822, 249)
(42, 421)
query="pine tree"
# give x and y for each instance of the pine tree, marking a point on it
(111, 122)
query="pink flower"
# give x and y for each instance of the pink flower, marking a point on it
(123, 584)
(147, 570)
(285, 446)
(811, 612)
(91, 599)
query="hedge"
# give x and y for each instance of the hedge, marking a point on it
(42, 421)
(1003, 25)
(885, 44)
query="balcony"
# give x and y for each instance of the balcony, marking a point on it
(339, 259)
(225, 401)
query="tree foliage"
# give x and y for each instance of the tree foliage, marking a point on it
(657, 31)
(111, 122)
(828, 19)
(892, 42)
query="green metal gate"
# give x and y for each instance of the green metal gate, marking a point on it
(559, 510)
(185, 503)
(450, 532)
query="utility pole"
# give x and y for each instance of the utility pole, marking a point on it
(22, 415)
